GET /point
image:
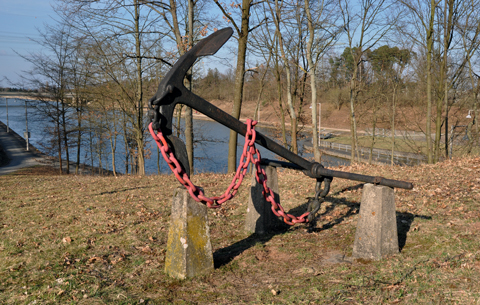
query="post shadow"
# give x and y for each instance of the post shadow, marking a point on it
(404, 222)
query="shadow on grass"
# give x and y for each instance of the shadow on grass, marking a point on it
(404, 222)
(353, 208)
(225, 255)
(124, 190)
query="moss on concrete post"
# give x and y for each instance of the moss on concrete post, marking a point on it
(189, 251)
(376, 234)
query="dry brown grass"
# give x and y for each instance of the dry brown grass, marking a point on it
(101, 240)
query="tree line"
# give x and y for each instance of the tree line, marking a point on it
(103, 60)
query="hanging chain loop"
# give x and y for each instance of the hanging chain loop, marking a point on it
(250, 154)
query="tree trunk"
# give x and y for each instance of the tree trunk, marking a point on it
(374, 125)
(290, 101)
(429, 81)
(113, 141)
(188, 110)
(59, 138)
(139, 119)
(65, 138)
(280, 105)
(353, 122)
(262, 86)
(448, 29)
(313, 82)
(239, 81)
(125, 138)
(79, 137)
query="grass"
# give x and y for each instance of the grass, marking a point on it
(101, 240)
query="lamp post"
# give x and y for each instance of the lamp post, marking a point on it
(469, 116)
(6, 104)
(452, 137)
(470, 125)
(27, 134)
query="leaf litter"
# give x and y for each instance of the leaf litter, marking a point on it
(106, 237)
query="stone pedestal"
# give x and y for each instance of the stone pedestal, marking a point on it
(189, 251)
(260, 218)
(376, 234)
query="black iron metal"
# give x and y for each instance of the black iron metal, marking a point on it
(314, 204)
(171, 91)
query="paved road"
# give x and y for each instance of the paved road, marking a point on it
(16, 152)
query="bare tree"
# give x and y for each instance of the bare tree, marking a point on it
(242, 30)
(365, 23)
(174, 21)
(52, 73)
(321, 21)
(124, 38)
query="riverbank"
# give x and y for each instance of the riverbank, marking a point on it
(14, 156)
(343, 151)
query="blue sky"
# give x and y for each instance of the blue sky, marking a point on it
(19, 20)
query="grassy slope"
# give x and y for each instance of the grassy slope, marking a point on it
(98, 240)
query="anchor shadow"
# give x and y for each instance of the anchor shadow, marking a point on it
(353, 209)
(404, 220)
(225, 255)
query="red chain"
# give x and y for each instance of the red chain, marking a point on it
(248, 155)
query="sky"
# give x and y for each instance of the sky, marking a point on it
(19, 20)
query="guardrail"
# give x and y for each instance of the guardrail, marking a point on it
(379, 155)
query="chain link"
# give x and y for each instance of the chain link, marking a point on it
(250, 154)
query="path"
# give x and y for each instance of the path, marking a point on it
(14, 147)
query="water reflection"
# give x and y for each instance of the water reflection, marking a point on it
(211, 142)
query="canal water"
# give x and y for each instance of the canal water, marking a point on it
(211, 142)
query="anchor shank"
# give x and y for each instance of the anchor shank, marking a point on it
(312, 169)
(320, 171)
(229, 121)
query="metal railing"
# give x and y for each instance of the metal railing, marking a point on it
(380, 155)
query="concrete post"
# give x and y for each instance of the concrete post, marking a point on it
(189, 251)
(376, 234)
(260, 218)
